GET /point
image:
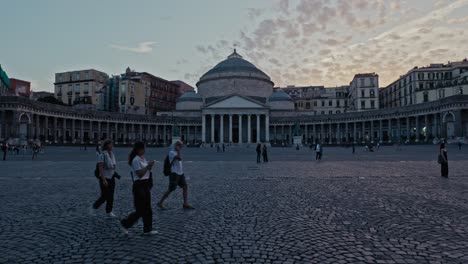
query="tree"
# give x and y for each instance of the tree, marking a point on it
(50, 100)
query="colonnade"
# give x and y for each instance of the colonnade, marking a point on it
(235, 128)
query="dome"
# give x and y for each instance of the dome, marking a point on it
(234, 65)
(190, 96)
(280, 96)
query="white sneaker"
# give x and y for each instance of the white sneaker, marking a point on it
(111, 214)
(124, 230)
(150, 233)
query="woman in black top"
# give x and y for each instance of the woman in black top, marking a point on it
(259, 152)
(444, 160)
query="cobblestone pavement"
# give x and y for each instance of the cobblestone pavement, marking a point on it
(384, 207)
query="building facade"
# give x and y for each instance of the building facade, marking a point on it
(73, 85)
(236, 103)
(363, 92)
(20, 87)
(426, 84)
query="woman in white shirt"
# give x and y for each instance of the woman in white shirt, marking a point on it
(141, 170)
(106, 164)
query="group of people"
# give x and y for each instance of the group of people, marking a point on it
(262, 152)
(35, 147)
(141, 171)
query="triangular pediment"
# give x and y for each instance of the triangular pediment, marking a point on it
(235, 101)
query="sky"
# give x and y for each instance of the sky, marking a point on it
(296, 42)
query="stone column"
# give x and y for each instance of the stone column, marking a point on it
(240, 129)
(36, 127)
(408, 129)
(148, 132)
(282, 133)
(390, 135)
(125, 136)
(230, 128)
(363, 131)
(73, 131)
(212, 128)
(313, 134)
(436, 127)
(91, 131)
(426, 124)
(330, 132)
(338, 133)
(372, 131)
(99, 125)
(267, 129)
(141, 132)
(416, 120)
(290, 134)
(156, 133)
(221, 126)
(116, 128)
(82, 131)
(258, 128)
(195, 132)
(322, 135)
(355, 133)
(203, 128)
(399, 129)
(164, 134)
(346, 132)
(132, 138)
(276, 135)
(55, 130)
(380, 132)
(108, 134)
(249, 128)
(64, 130)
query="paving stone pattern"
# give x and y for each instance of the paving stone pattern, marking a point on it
(384, 207)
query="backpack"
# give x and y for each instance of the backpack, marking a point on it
(167, 166)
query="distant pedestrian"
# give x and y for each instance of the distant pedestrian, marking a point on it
(259, 152)
(378, 145)
(443, 160)
(35, 151)
(98, 150)
(265, 153)
(297, 147)
(217, 148)
(141, 170)
(177, 176)
(459, 145)
(224, 147)
(4, 150)
(106, 174)
(318, 152)
(354, 148)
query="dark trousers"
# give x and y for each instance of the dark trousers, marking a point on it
(4, 155)
(107, 195)
(444, 169)
(258, 157)
(265, 157)
(318, 156)
(142, 203)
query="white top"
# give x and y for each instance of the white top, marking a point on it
(108, 164)
(176, 164)
(139, 163)
(317, 148)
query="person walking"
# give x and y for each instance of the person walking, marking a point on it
(224, 147)
(35, 151)
(354, 148)
(106, 175)
(259, 152)
(443, 160)
(177, 176)
(265, 153)
(459, 145)
(142, 184)
(318, 152)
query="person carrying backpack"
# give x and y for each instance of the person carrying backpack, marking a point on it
(173, 168)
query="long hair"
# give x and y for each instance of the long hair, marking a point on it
(136, 148)
(105, 144)
(442, 145)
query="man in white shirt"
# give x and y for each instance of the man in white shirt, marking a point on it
(177, 177)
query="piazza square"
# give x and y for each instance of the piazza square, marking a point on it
(386, 206)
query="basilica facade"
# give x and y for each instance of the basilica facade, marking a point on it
(235, 103)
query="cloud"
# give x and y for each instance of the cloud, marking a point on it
(142, 47)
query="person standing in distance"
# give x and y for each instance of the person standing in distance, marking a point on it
(259, 152)
(141, 174)
(318, 151)
(265, 153)
(177, 177)
(443, 160)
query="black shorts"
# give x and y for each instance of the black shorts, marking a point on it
(176, 180)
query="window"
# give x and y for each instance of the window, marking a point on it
(323, 112)
(426, 97)
(363, 104)
(338, 103)
(460, 91)
(87, 75)
(77, 88)
(363, 93)
(70, 89)
(307, 105)
(59, 77)
(330, 112)
(86, 88)
(323, 103)
(362, 81)
(123, 88)
(330, 103)
(372, 104)
(371, 81)
(441, 93)
(372, 93)
(59, 90)
(315, 103)
(338, 112)
(77, 76)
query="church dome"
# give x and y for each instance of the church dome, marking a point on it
(190, 96)
(235, 75)
(234, 65)
(280, 96)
